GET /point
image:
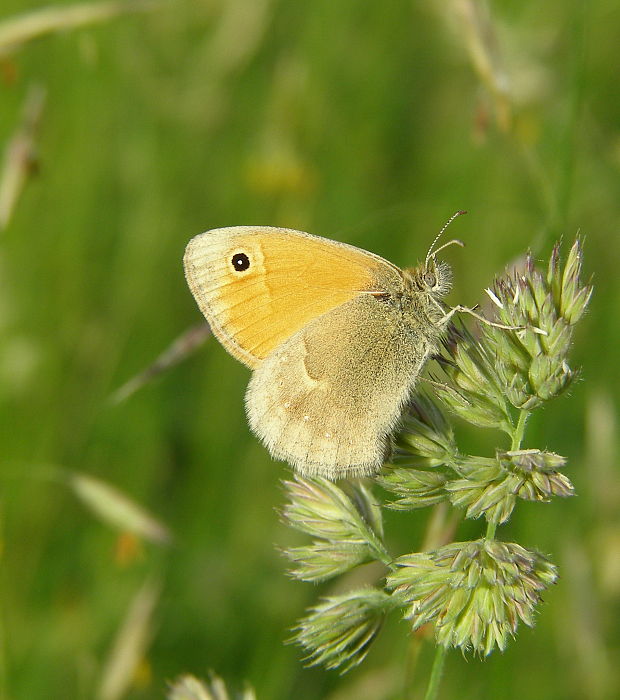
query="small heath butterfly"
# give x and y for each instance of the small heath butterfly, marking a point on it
(336, 338)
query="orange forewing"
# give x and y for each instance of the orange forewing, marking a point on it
(292, 278)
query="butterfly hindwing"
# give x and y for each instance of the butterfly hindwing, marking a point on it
(326, 400)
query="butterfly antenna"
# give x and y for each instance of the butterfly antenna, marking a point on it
(431, 253)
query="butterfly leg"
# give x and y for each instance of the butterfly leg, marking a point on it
(466, 310)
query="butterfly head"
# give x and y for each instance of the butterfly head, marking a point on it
(430, 278)
(436, 278)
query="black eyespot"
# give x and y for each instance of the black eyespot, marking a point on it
(240, 262)
(430, 279)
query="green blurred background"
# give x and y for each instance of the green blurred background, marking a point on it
(370, 123)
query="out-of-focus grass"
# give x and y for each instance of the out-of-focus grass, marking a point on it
(370, 123)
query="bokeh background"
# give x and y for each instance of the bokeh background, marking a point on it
(127, 133)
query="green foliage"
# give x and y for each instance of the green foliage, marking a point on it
(347, 524)
(338, 632)
(474, 592)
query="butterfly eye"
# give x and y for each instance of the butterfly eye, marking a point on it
(240, 262)
(430, 279)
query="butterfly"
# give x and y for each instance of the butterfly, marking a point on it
(335, 336)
